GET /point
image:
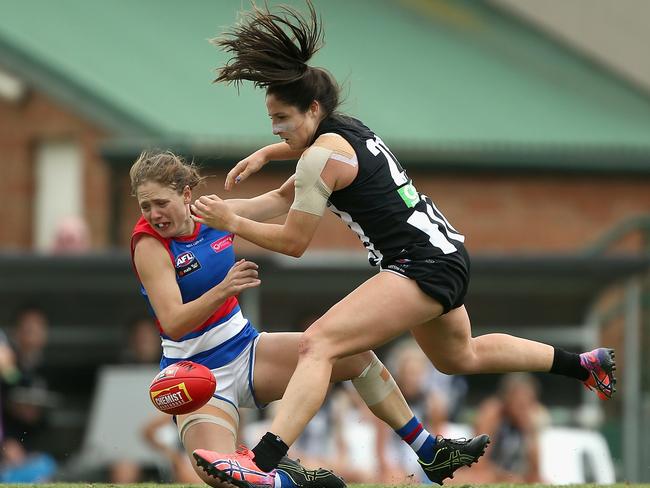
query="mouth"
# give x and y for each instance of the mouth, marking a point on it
(161, 225)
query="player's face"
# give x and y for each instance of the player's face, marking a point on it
(294, 127)
(165, 210)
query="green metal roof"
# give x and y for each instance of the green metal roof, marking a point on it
(439, 80)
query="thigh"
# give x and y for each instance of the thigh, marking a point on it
(445, 339)
(377, 311)
(276, 356)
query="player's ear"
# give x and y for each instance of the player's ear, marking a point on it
(187, 195)
(314, 107)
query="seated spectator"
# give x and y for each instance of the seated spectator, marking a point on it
(432, 396)
(27, 400)
(513, 418)
(19, 466)
(162, 436)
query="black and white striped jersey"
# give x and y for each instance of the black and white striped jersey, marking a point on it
(382, 206)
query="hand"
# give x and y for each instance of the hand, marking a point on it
(241, 276)
(244, 168)
(213, 212)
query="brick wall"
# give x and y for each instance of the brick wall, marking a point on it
(22, 126)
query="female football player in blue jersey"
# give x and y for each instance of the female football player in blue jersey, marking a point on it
(191, 279)
(423, 264)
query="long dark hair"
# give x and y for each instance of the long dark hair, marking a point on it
(272, 51)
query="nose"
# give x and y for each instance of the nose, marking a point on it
(276, 129)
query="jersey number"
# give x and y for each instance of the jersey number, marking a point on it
(376, 146)
(428, 222)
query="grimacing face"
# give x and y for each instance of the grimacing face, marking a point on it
(294, 127)
(165, 209)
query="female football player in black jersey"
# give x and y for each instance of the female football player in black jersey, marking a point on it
(424, 268)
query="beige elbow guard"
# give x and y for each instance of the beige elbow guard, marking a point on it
(311, 191)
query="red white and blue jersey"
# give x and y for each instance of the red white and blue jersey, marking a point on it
(201, 261)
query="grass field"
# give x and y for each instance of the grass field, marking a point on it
(158, 485)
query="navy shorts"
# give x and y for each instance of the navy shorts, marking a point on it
(444, 277)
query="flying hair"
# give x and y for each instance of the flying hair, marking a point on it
(270, 48)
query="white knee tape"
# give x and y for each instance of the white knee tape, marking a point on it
(375, 383)
(201, 418)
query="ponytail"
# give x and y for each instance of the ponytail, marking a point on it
(272, 51)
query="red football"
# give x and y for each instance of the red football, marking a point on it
(182, 387)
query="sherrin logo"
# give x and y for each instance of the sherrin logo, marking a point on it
(172, 397)
(166, 373)
(184, 259)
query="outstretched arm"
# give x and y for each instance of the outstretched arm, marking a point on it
(320, 171)
(264, 207)
(291, 238)
(253, 163)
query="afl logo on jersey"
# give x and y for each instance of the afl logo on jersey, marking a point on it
(186, 263)
(221, 244)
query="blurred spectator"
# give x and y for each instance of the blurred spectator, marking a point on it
(19, 466)
(432, 396)
(161, 434)
(143, 342)
(26, 401)
(513, 419)
(341, 436)
(417, 378)
(124, 472)
(9, 375)
(71, 236)
(30, 336)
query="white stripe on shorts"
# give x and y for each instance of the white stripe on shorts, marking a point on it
(206, 341)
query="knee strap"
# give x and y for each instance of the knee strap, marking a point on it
(203, 417)
(375, 383)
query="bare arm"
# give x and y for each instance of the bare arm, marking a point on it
(264, 207)
(159, 279)
(292, 237)
(253, 163)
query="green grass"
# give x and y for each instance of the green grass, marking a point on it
(159, 485)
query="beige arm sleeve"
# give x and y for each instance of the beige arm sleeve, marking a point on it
(311, 191)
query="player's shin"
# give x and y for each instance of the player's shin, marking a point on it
(379, 391)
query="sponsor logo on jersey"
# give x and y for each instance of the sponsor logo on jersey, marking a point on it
(172, 397)
(223, 243)
(186, 263)
(409, 194)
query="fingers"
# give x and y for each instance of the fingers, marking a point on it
(197, 218)
(242, 263)
(237, 174)
(244, 269)
(205, 199)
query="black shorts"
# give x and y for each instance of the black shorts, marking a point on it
(444, 277)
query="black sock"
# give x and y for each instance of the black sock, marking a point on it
(568, 364)
(269, 451)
